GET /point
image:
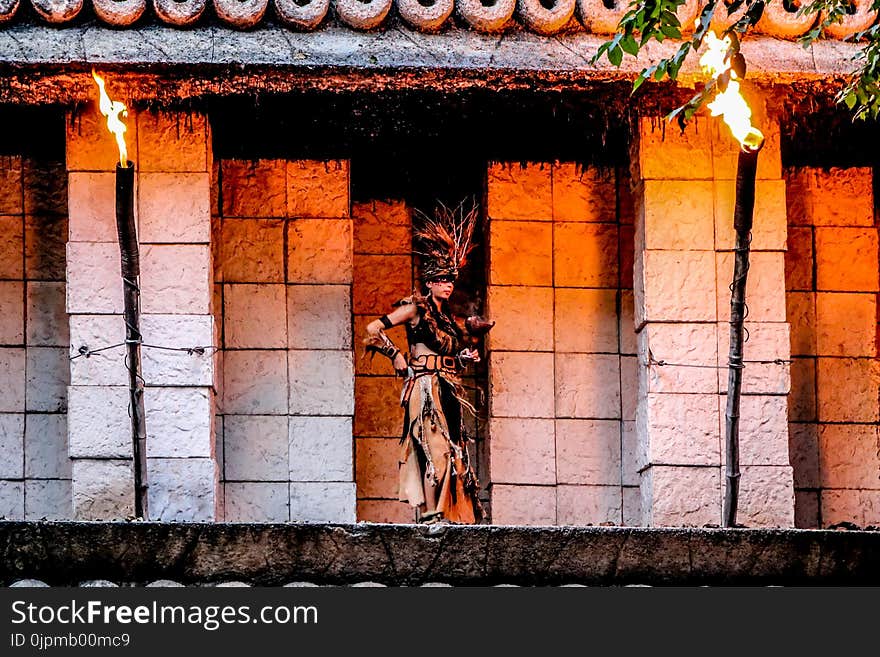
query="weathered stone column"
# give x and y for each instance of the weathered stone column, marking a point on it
(34, 467)
(285, 262)
(555, 369)
(521, 368)
(382, 275)
(173, 159)
(251, 307)
(586, 344)
(319, 323)
(683, 266)
(12, 340)
(831, 273)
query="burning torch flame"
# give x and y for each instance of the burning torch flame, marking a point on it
(113, 110)
(729, 104)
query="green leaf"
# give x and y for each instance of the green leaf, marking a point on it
(657, 20)
(682, 53)
(630, 45)
(708, 13)
(669, 18)
(602, 48)
(639, 81)
(615, 55)
(755, 12)
(661, 69)
(677, 61)
(732, 7)
(807, 40)
(683, 118)
(674, 113)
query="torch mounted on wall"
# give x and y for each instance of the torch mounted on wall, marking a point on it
(130, 258)
(732, 107)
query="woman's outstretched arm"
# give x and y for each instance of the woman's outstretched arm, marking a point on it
(378, 341)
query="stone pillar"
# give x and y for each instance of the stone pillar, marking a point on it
(586, 280)
(555, 401)
(320, 362)
(520, 298)
(382, 275)
(684, 264)
(173, 159)
(12, 329)
(831, 274)
(631, 504)
(252, 310)
(285, 259)
(34, 467)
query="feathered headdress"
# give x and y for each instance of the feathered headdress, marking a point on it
(444, 241)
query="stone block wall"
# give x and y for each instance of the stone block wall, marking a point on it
(685, 194)
(284, 269)
(608, 364)
(832, 286)
(562, 355)
(173, 160)
(35, 470)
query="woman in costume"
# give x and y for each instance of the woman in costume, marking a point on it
(436, 475)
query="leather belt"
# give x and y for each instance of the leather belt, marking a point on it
(432, 363)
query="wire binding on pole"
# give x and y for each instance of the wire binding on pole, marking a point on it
(741, 365)
(84, 352)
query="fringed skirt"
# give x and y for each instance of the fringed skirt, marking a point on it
(433, 447)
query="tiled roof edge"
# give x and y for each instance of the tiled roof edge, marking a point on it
(592, 16)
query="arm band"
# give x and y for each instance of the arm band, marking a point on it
(381, 343)
(386, 322)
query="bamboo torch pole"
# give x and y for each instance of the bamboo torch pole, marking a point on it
(130, 257)
(129, 254)
(726, 64)
(743, 215)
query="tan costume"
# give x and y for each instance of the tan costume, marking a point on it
(434, 444)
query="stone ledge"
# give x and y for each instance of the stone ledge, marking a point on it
(396, 48)
(43, 75)
(66, 553)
